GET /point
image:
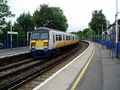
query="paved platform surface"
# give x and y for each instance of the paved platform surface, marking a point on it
(12, 52)
(63, 79)
(103, 73)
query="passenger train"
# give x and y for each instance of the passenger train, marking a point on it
(44, 41)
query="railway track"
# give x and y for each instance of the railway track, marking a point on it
(13, 65)
(13, 59)
(30, 70)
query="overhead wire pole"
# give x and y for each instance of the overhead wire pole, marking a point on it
(11, 32)
(102, 36)
(11, 35)
(116, 45)
(112, 43)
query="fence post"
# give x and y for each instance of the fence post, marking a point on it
(17, 40)
(7, 41)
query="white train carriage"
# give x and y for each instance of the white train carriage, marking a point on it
(45, 40)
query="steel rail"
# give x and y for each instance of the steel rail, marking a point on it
(21, 80)
(15, 64)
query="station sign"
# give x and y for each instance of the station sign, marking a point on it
(12, 32)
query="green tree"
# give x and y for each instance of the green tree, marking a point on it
(7, 28)
(85, 32)
(25, 23)
(98, 19)
(51, 17)
(79, 33)
(4, 12)
(90, 34)
(18, 29)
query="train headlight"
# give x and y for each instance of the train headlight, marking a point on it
(46, 43)
(33, 45)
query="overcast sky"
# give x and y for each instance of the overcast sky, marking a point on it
(78, 12)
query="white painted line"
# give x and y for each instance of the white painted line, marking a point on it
(12, 54)
(43, 83)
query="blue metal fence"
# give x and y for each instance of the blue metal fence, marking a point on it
(15, 43)
(109, 44)
(119, 46)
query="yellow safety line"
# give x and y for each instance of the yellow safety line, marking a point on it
(83, 71)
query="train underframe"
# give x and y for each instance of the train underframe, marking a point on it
(48, 53)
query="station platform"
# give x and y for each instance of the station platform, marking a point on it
(13, 52)
(94, 69)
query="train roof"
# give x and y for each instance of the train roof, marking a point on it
(48, 29)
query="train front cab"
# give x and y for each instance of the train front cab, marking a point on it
(41, 53)
(40, 44)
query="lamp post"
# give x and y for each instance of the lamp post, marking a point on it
(116, 17)
(11, 36)
(102, 36)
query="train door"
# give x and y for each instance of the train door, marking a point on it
(64, 39)
(54, 40)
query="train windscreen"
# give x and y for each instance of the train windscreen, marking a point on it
(40, 36)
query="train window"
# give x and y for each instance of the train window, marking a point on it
(67, 38)
(60, 38)
(35, 36)
(44, 36)
(57, 39)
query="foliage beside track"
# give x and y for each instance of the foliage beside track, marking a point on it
(51, 17)
(97, 21)
(44, 16)
(86, 33)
